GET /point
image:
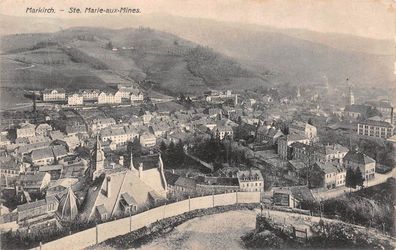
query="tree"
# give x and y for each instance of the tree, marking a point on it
(136, 147)
(163, 147)
(350, 179)
(359, 179)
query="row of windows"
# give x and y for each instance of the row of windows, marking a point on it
(252, 184)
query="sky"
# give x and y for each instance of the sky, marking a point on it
(367, 18)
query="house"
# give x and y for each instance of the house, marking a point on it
(75, 99)
(269, 135)
(328, 175)
(38, 216)
(43, 129)
(378, 129)
(42, 156)
(356, 111)
(284, 142)
(54, 95)
(59, 152)
(60, 186)
(34, 182)
(148, 140)
(222, 132)
(76, 129)
(136, 96)
(26, 130)
(109, 97)
(180, 184)
(119, 135)
(250, 181)
(308, 130)
(101, 123)
(90, 94)
(356, 159)
(9, 166)
(384, 107)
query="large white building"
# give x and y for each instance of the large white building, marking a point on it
(379, 129)
(26, 130)
(250, 181)
(119, 135)
(109, 98)
(54, 95)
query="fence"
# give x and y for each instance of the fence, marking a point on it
(112, 229)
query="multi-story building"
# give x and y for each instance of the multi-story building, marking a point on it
(250, 181)
(136, 96)
(355, 159)
(54, 95)
(119, 135)
(75, 99)
(379, 129)
(308, 130)
(109, 98)
(101, 123)
(223, 132)
(90, 94)
(332, 174)
(318, 153)
(26, 130)
(148, 140)
(34, 182)
(356, 111)
(284, 142)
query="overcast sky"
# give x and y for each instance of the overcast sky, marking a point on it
(368, 18)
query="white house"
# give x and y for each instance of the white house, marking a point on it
(54, 95)
(109, 98)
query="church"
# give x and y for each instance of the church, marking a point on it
(117, 190)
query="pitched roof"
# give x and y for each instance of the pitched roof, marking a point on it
(376, 123)
(357, 108)
(171, 178)
(186, 182)
(358, 157)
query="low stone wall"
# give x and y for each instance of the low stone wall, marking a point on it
(145, 234)
(122, 226)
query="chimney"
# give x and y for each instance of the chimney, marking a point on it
(108, 179)
(141, 170)
(131, 167)
(121, 160)
(391, 118)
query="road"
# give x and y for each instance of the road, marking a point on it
(328, 194)
(216, 231)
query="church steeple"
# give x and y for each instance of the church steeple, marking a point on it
(97, 159)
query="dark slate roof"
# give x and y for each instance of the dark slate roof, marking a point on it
(376, 123)
(358, 157)
(357, 108)
(302, 193)
(31, 205)
(171, 178)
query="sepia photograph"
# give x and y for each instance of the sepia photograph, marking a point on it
(197, 124)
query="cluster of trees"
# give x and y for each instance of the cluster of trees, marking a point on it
(173, 154)
(216, 151)
(78, 56)
(354, 178)
(213, 67)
